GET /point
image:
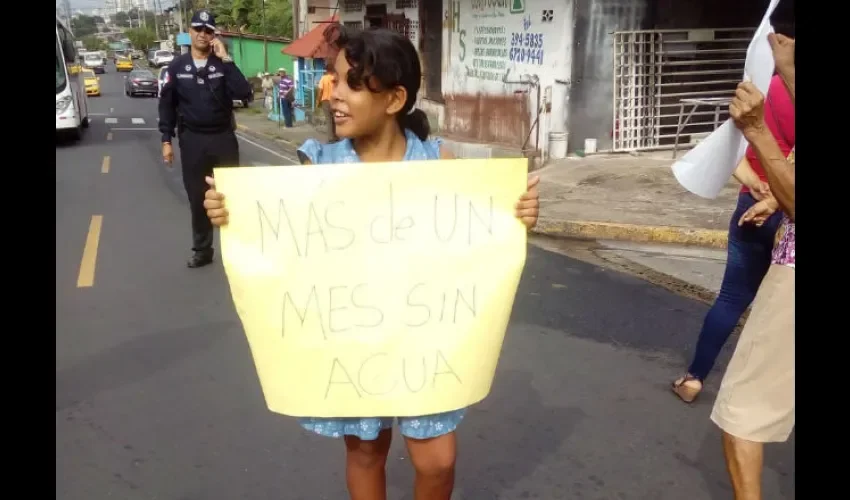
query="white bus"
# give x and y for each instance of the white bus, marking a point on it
(72, 106)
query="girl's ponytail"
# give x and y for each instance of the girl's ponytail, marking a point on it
(417, 122)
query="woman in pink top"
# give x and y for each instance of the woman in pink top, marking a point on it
(748, 249)
(755, 403)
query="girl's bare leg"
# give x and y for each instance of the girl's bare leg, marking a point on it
(434, 463)
(365, 466)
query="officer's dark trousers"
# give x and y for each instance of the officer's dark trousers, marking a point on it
(199, 154)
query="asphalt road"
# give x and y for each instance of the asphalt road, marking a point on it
(157, 396)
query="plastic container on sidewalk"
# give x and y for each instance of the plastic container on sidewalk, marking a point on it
(558, 145)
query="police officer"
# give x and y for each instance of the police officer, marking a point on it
(197, 99)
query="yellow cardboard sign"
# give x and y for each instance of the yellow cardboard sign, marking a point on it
(374, 289)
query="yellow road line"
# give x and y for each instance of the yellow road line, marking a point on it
(109, 136)
(104, 167)
(86, 277)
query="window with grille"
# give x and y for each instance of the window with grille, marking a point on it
(431, 49)
(351, 5)
(406, 4)
(353, 24)
(406, 28)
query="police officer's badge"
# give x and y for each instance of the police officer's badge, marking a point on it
(212, 69)
(188, 67)
(204, 17)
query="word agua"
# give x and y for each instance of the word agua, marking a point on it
(343, 308)
(327, 227)
(381, 374)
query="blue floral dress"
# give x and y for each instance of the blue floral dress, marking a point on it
(423, 427)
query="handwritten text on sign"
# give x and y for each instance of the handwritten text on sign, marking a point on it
(374, 289)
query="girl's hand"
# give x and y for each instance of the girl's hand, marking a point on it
(528, 206)
(760, 212)
(760, 190)
(214, 204)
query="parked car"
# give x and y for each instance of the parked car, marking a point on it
(92, 82)
(162, 58)
(94, 62)
(141, 81)
(137, 54)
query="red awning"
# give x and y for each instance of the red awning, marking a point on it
(312, 45)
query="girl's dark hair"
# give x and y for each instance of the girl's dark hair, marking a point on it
(382, 59)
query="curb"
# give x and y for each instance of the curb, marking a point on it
(587, 230)
(290, 146)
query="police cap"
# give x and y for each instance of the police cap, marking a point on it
(203, 19)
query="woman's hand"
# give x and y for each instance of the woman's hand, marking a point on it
(760, 212)
(783, 51)
(747, 109)
(214, 204)
(528, 206)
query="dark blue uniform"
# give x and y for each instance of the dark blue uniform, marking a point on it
(199, 104)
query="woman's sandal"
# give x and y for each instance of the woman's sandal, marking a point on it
(685, 392)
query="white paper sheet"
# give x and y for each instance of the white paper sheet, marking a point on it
(705, 169)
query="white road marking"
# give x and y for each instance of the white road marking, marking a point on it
(138, 121)
(111, 120)
(249, 141)
(98, 114)
(111, 110)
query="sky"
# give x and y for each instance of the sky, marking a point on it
(86, 5)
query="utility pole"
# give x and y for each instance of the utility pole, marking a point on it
(296, 18)
(155, 21)
(265, 41)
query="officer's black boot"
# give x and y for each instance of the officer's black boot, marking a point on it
(200, 258)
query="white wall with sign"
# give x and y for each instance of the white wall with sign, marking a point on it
(492, 38)
(490, 41)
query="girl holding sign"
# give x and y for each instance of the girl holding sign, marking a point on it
(376, 77)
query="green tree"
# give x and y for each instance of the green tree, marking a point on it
(121, 19)
(91, 42)
(141, 38)
(83, 26)
(247, 16)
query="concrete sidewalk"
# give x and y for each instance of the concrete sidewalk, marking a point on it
(601, 197)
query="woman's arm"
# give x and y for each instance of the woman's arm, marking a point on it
(780, 172)
(745, 174)
(789, 78)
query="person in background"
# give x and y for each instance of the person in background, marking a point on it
(324, 89)
(748, 250)
(756, 400)
(197, 98)
(377, 75)
(286, 94)
(267, 85)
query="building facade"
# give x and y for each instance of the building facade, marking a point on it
(548, 77)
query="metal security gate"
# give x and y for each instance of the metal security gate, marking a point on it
(655, 70)
(310, 71)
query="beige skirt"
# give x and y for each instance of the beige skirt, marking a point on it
(756, 397)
